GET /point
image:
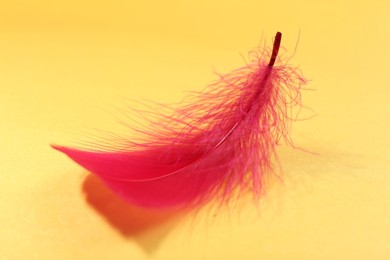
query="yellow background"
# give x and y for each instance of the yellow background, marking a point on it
(68, 66)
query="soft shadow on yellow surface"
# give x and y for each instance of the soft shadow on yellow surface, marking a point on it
(148, 227)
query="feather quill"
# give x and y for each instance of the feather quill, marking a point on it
(219, 143)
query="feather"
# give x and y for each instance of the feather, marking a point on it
(219, 143)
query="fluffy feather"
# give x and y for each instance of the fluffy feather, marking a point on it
(219, 142)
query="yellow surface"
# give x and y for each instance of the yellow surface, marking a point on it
(67, 66)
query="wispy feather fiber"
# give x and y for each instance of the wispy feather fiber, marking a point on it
(219, 142)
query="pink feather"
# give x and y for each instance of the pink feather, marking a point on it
(217, 144)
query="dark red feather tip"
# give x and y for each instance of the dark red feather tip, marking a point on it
(275, 50)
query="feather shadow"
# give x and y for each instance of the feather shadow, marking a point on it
(146, 226)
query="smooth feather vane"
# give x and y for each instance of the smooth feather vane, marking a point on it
(218, 143)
